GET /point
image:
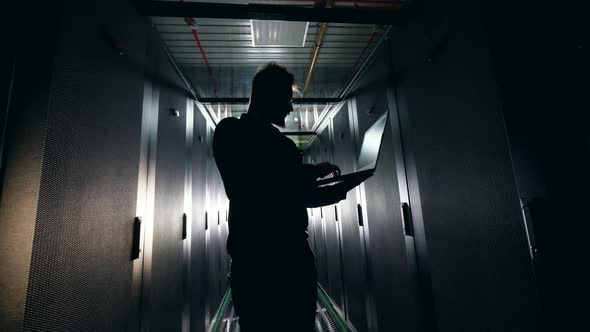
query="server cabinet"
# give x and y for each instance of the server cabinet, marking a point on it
(81, 263)
(354, 275)
(308, 158)
(220, 235)
(22, 153)
(198, 275)
(216, 251)
(392, 276)
(166, 289)
(548, 128)
(316, 225)
(331, 229)
(211, 233)
(7, 70)
(460, 167)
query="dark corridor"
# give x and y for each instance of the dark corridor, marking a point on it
(114, 217)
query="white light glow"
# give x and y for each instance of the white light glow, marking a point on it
(278, 33)
(252, 32)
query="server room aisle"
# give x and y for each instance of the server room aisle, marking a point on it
(114, 217)
(329, 318)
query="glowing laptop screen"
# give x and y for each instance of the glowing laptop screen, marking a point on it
(371, 145)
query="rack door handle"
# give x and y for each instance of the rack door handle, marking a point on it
(529, 210)
(359, 212)
(184, 226)
(135, 250)
(407, 219)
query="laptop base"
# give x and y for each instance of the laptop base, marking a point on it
(352, 178)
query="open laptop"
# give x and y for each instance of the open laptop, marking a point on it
(368, 157)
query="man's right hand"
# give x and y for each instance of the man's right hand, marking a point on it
(324, 169)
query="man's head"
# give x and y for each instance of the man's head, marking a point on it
(272, 92)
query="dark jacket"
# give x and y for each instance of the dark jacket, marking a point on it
(268, 186)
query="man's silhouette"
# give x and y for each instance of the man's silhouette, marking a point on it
(273, 274)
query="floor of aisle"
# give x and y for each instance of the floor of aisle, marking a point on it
(328, 317)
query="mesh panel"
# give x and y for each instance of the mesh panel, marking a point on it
(481, 272)
(80, 274)
(167, 263)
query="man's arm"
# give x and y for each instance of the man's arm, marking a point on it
(230, 153)
(322, 196)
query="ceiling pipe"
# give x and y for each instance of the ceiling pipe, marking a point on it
(316, 51)
(333, 109)
(390, 3)
(350, 14)
(193, 26)
(365, 48)
(360, 71)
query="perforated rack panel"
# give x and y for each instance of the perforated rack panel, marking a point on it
(81, 270)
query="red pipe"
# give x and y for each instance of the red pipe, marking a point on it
(360, 56)
(193, 25)
(357, 1)
(393, 3)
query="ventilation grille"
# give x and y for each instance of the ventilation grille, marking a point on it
(81, 268)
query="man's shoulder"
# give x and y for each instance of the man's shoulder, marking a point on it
(227, 127)
(228, 124)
